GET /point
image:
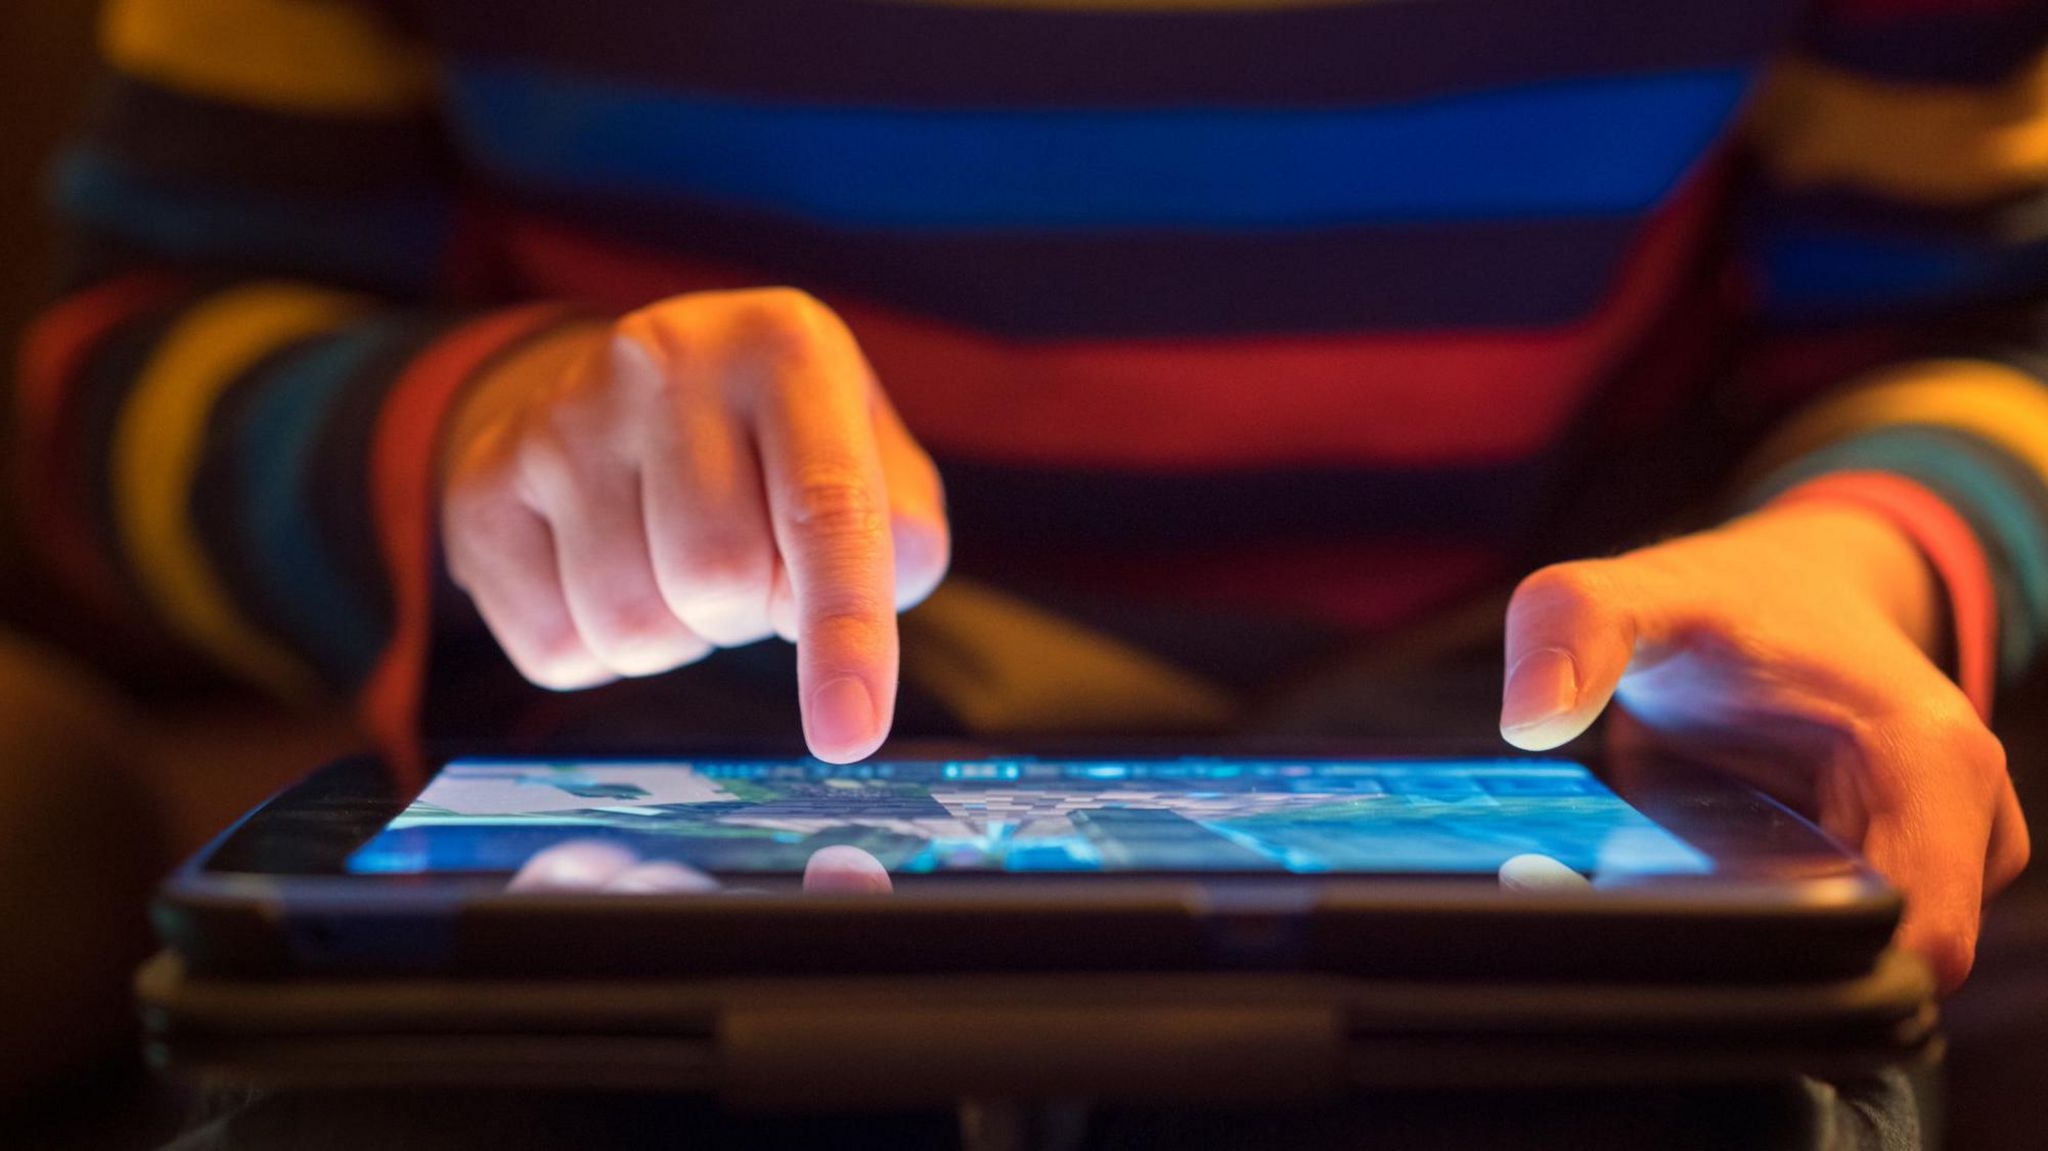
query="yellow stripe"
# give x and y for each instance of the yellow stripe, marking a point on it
(1997, 403)
(316, 56)
(1816, 125)
(158, 439)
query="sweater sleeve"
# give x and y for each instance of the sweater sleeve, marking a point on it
(227, 423)
(1897, 259)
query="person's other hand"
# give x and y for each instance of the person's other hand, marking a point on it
(707, 472)
(1789, 647)
(600, 867)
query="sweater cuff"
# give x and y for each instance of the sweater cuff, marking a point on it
(404, 484)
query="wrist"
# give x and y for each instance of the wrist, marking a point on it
(1868, 551)
(1949, 550)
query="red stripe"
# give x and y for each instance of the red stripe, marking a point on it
(1361, 400)
(53, 356)
(1951, 547)
(1362, 586)
(404, 458)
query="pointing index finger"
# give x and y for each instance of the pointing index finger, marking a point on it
(829, 505)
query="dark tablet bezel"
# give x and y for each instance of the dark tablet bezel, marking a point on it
(1785, 901)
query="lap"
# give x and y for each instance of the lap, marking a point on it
(78, 854)
(1876, 1114)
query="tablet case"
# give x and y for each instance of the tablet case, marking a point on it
(910, 1040)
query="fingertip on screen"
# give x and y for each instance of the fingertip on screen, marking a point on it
(1530, 872)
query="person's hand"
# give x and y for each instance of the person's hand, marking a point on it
(1789, 647)
(707, 472)
(596, 866)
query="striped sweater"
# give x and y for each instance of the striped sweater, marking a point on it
(1311, 316)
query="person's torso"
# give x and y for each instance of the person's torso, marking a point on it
(1313, 305)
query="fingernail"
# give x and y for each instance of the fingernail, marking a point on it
(578, 865)
(1541, 687)
(1540, 874)
(842, 715)
(661, 877)
(632, 360)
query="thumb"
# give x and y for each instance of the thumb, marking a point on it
(1570, 633)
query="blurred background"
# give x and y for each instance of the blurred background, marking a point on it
(74, 1098)
(98, 832)
(45, 73)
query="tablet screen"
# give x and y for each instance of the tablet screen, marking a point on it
(1437, 816)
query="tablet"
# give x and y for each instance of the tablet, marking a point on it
(1358, 860)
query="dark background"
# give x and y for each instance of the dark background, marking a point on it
(45, 69)
(45, 73)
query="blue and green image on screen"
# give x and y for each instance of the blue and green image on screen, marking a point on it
(1029, 815)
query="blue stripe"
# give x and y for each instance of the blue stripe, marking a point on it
(1981, 484)
(286, 554)
(394, 244)
(1608, 145)
(1810, 272)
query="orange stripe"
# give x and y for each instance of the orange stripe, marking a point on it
(1373, 400)
(53, 356)
(403, 461)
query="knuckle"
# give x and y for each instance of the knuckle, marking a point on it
(835, 507)
(556, 659)
(923, 554)
(780, 324)
(1984, 749)
(571, 420)
(458, 548)
(545, 458)
(655, 354)
(1938, 743)
(1574, 586)
(846, 608)
(466, 497)
(464, 532)
(775, 324)
(2011, 862)
(1952, 954)
(476, 521)
(920, 491)
(784, 304)
(481, 492)
(852, 625)
(718, 569)
(716, 572)
(1951, 730)
(653, 330)
(728, 621)
(555, 649)
(616, 622)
